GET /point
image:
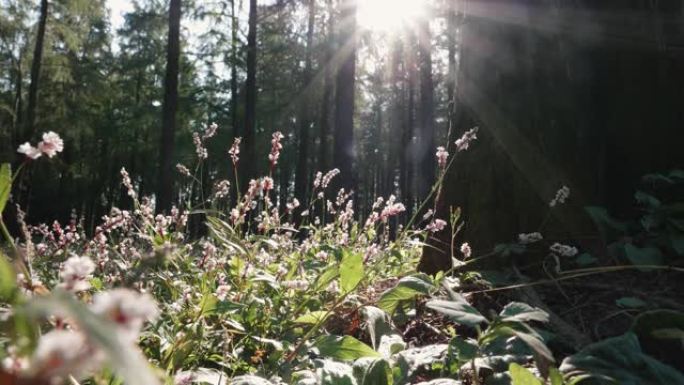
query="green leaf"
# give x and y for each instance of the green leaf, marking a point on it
(8, 280)
(643, 256)
(378, 324)
(335, 373)
(351, 271)
(555, 377)
(124, 358)
(522, 312)
(411, 360)
(585, 259)
(345, 348)
(373, 371)
(326, 277)
(250, 380)
(647, 199)
(522, 376)
(603, 220)
(406, 289)
(631, 302)
(5, 184)
(312, 318)
(459, 312)
(464, 350)
(619, 360)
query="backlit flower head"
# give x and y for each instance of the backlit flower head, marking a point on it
(76, 273)
(463, 143)
(30, 151)
(51, 144)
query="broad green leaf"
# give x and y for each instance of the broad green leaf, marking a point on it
(555, 377)
(457, 311)
(5, 184)
(335, 373)
(124, 358)
(345, 348)
(619, 360)
(441, 381)
(585, 259)
(647, 199)
(250, 380)
(378, 324)
(522, 312)
(312, 318)
(351, 271)
(603, 220)
(464, 350)
(631, 302)
(410, 360)
(391, 344)
(643, 256)
(373, 371)
(522, 376)
(8, 280)
(326, 277)
(407, 288)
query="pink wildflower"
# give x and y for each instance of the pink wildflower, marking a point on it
(464, 142)
(442, 156)
(51, 144)
(30, 151)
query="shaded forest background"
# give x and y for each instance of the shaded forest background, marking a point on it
(579, 93)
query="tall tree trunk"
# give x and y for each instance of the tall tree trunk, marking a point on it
(249, 171)
(18, 107)
(35, 72)
(326, 104)
(233, 70)
(426, 111)
(169, 109)
(343, 145)
(397, 106)
(302, 173)
(408, 132)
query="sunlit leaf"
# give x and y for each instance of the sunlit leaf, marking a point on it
(345, 348)
(522, 376)
(406, 289)
(351, 271)
(457, 311)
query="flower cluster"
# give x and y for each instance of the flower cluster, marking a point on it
(561, 196)
(276, 146)
(466, 250)
(436, 226)
(442, 156)
(76, 273)
(50, 146)
(527, 239)
(234, 151)
(563, 250)
(463, 142)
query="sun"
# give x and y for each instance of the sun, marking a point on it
(388, 15)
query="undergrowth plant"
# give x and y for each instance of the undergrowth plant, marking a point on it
(274, 293)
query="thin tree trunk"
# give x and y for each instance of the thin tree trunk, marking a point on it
(233, 70)
(35, 71)
(170, 108)
(408, 141)
(324, 148)
(18, 107)
(302, 174)
(426, 113)
(250, 96)
(343, 145)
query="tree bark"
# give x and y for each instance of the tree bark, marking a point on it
(426, 112)
(249, 170)
(343, 141)
(35, 72)
(169, 109)
(326, 104)
(233, 70)
(302, 173)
